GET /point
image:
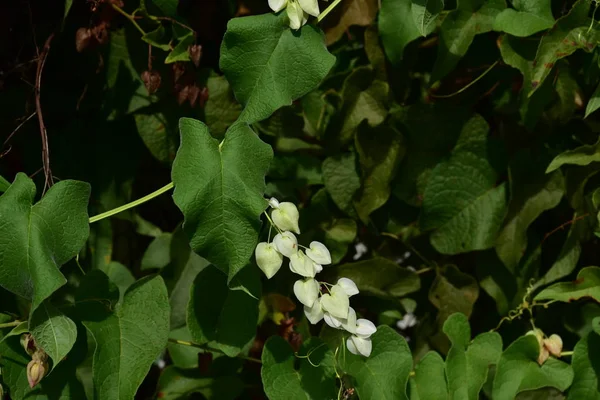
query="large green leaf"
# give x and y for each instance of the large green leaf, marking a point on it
(582, 155)
(452, 292)
(158, 131)
(585, 365)
(221, 109)
(269, 65)
(4, 184)
(528, 17)
(397, 28)
(342, 181)
(224, 318)
(36, 239)
(462, 201)
(384, 374)
(313, 379)
(127, 337)
(518, 370)
(53, 331)
(219, 188)
(587, 284)
(425, 13)
(472, 17)
(379, 150)
(468, 362)
(176, 384)
(569, 34)
(430, 378)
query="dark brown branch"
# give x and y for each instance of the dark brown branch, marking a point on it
(562, 226)
(38, 105)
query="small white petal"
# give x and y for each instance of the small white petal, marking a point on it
(286, 217)
(336, 303)
(332, 321)
(315, 313)
(295, 15)
(359, 346)
(318, 268)
(273, 202)
(268, 259)
(286, 243)
(310, 6)
(348, 285)
(306, 291)
(319, 253)
(365, 328)
(302, 265)
(349, 323)
(277, 5)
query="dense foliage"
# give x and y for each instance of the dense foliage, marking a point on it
(165, 161)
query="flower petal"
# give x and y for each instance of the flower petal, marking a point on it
(336, 303)
(357, 345)
(286, 243)
(286, 216)
(310, 6)
(273, 202)
(302, 265)
(348, 285)
(268, 259)
(319, 253)
(332, 321)
(349, 323)
(315, 313)
(365, 328)
(306, 291)
(295, 15)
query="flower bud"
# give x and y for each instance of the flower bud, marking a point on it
(268, 259)
(28, 343)
(319, 253)
(36, 369)
(286, 243)
(554, 344)
(306, 291)
(286, 217)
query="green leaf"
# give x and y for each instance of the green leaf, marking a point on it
(119, 275)
(68, 4)
(4, 184)
(175, 383)
(380, 151)
(378, 276)
(183, 356)
(158, 38)
(397, 28)
(313, 379)
(425, 13)
(384, 374)
(569, 34)
(462, 200)
(594, 102)
(53, 331)
(586, 369)
(129, 337)
(18, 330)
(518, 370)
(181, 53)
(338, 236)
(158, 131)
(583, 155)
(430, 378)
(221, 109)
(532, 193)
(157, 255)
(342, 181)
(268, 65)
(224, 318)
(167, 8)
(36, 239)
(472, 17)
(219, 188)
(468, 361)
(528, 17)
(453, 292)
(587, 284)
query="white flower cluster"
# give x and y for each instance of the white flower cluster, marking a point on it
(334, 305)
(297, 10)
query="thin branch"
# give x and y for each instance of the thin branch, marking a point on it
(128, 16)
(211, 350)
(474, 81)
(38, 106)
(10, 324)
(17, 128)
(174, 21)
(562, 226)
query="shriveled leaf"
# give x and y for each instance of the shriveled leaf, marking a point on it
(528, 17)
(384, 374)
(268, 65)
(53, 331)
(37, 239)
(397, 28)
(313, 379)
(518, 370)
(223, 318)
(219, 188)
(462, 202)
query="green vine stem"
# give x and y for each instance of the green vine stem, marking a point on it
(474, 81)
(10, 324)
(328, 10)
(205, 348)
(128, 16)
(135, 203)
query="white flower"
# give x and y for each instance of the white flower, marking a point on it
(349, 323)
(332, 321)
(361, 249)
(359, 346)
(268, 259)
(408, 321)
(348, 285)
(315, 313)
(336, 302)
(273, 202)
(307, 291)
(365, 328)
(286, 216)
(302, 265)
(296, 15)
(319, 253)
(286, 243)
(310, 6)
